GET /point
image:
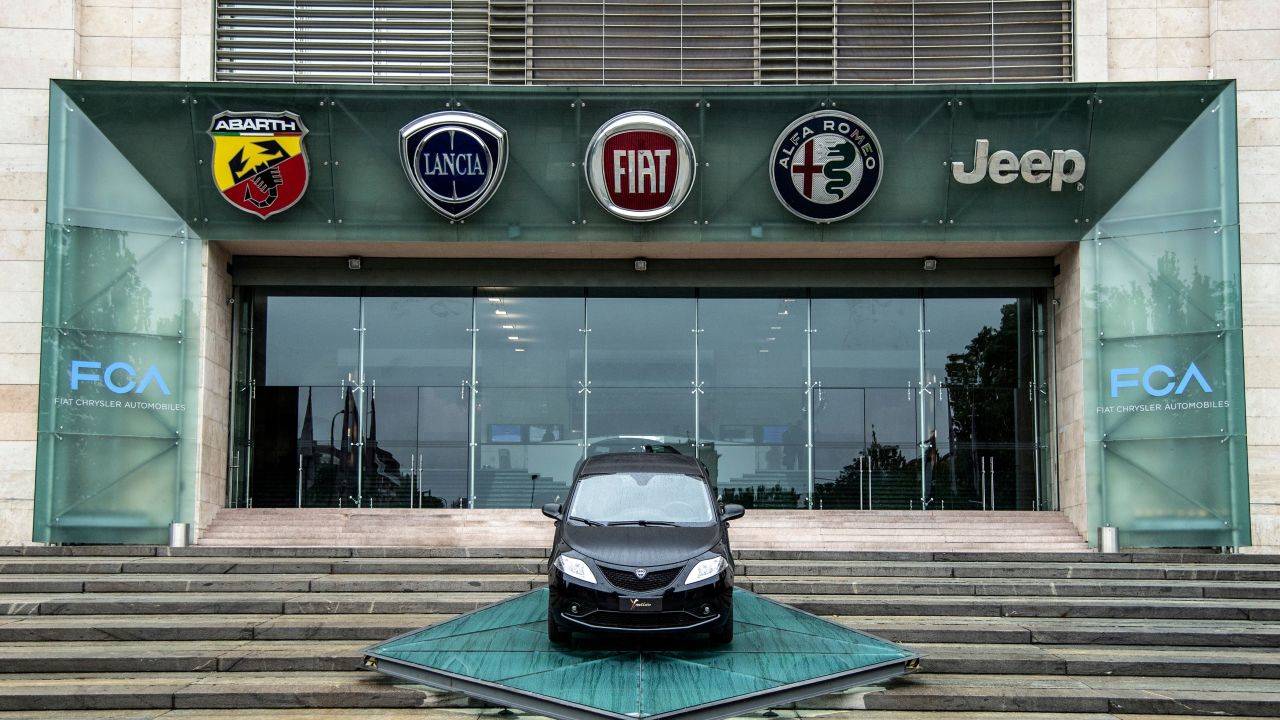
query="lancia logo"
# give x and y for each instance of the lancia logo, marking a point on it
(640, 573)
(454, 160)
(640, 166)
(259, 164)
(826, 166)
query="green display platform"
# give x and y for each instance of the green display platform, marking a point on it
(501, 654)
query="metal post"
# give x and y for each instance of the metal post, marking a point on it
(360, 406)
(299, 479)
(586, 378)
(982, 482)
(920, 439)
(472, 447)
(808, 380)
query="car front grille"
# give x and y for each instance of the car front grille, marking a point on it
(633, 620)
(627, 580)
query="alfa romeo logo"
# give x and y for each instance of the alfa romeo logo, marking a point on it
(455, 160)
(640, 166)
(826, 166)
(259, 164)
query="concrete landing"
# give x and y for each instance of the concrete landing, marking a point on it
(807, 530)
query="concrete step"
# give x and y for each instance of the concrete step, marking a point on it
(914, 585)
(476, 712)
(290, 656)
(920, 692)
(834, 529)
(903, 629)
(457, 602)
(250, 633)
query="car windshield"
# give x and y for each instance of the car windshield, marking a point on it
(637, 496)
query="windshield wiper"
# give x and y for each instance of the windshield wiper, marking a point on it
(595, 523)
(643, 523)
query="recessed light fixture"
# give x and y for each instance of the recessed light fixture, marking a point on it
(495, 300)
(499, 312)
(513, 337)
(519, 349)
(508, 327)
(775, 327)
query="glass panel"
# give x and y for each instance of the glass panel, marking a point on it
(866, 357)
(752, 364)
(866, 342)
(1164, 413)
(117, 420)
(529, 341)
(411, 343)
(358, 189)
(529, 441)
(662, 413)
(978, 404)
(757, 437)
(641, 342)
(308, 415)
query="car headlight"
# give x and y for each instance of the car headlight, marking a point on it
(573, 567)
(708, 568)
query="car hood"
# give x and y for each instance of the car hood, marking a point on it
(635, 546)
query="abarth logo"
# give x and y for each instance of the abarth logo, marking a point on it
(259, 164)
(454, 160)
(640, 166)
(826, 166)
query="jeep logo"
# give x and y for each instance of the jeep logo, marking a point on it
(1034, 167)
(119, 377)
(1157, 380)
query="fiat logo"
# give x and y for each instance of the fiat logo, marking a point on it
(640, 573)
(640, 166)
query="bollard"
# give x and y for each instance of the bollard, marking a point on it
(1108, 539)
(179, 534)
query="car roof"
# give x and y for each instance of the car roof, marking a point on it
(605, 463)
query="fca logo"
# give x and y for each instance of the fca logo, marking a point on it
(1129, 377)
(88, 371)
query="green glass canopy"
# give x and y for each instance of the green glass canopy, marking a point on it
(501, 654)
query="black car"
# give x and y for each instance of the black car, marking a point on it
(641, 546)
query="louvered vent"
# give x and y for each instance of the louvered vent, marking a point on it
(689, 42)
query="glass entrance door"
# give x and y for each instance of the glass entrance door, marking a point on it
(900, 400)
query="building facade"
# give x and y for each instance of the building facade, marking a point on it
(1024, 291)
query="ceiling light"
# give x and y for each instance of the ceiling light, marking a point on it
(508, 327)
(499, 312)
(519, 349)
(513, 337)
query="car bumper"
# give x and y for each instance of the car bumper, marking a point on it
(703, 607)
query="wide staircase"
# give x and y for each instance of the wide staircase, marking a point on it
(848, 530)
(270, 633)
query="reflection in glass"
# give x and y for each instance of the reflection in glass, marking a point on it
(916, 402)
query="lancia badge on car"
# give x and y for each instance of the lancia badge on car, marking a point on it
(454, 160)
(640, 166)
(640, 573)
(259, 163)
(826, 166)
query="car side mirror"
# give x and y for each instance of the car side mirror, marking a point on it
(732, 512)
(553, 511)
